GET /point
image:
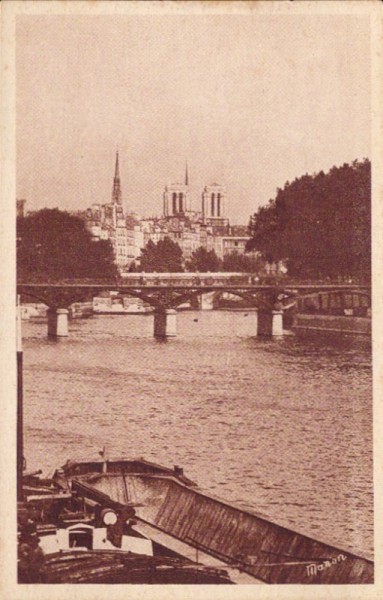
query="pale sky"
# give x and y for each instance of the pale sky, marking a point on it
(251, 101)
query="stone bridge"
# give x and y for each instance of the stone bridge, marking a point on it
(166, 292)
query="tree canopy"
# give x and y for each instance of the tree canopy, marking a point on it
(53, 245)
(243, 263)
(204, 261)
(320, 224)
(163, 257)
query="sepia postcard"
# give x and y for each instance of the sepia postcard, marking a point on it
(191, 299)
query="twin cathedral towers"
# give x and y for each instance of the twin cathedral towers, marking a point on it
(177, 203)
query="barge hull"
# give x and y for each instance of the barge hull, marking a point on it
(249, 542)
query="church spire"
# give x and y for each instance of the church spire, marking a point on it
(117, 168)
(186, 174)
(116, 193)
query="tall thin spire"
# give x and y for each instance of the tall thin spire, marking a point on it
(116, 193)
(117, 168)
(186, 174)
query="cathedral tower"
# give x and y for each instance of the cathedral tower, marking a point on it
(176, 198)
(214, 205)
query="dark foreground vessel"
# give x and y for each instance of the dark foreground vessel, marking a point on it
(69, 533)
(132, 521)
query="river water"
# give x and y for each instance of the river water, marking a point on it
(281, 427)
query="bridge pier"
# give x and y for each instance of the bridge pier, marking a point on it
(206, 301)
(165, 323)
(269, 323)
(57, 322)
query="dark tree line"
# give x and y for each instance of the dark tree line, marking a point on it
(320, 224)
(53, 245)
(166, 257)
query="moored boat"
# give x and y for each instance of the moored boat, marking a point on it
(176, 514)
(113, 304)
(71, 534)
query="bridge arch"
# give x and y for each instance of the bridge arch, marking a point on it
(36, 297)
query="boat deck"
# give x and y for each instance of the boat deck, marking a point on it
(181, 511)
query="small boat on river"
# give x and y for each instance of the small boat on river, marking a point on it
(113, 304)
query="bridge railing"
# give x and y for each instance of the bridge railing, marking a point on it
(188, 279)
(156, 279)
